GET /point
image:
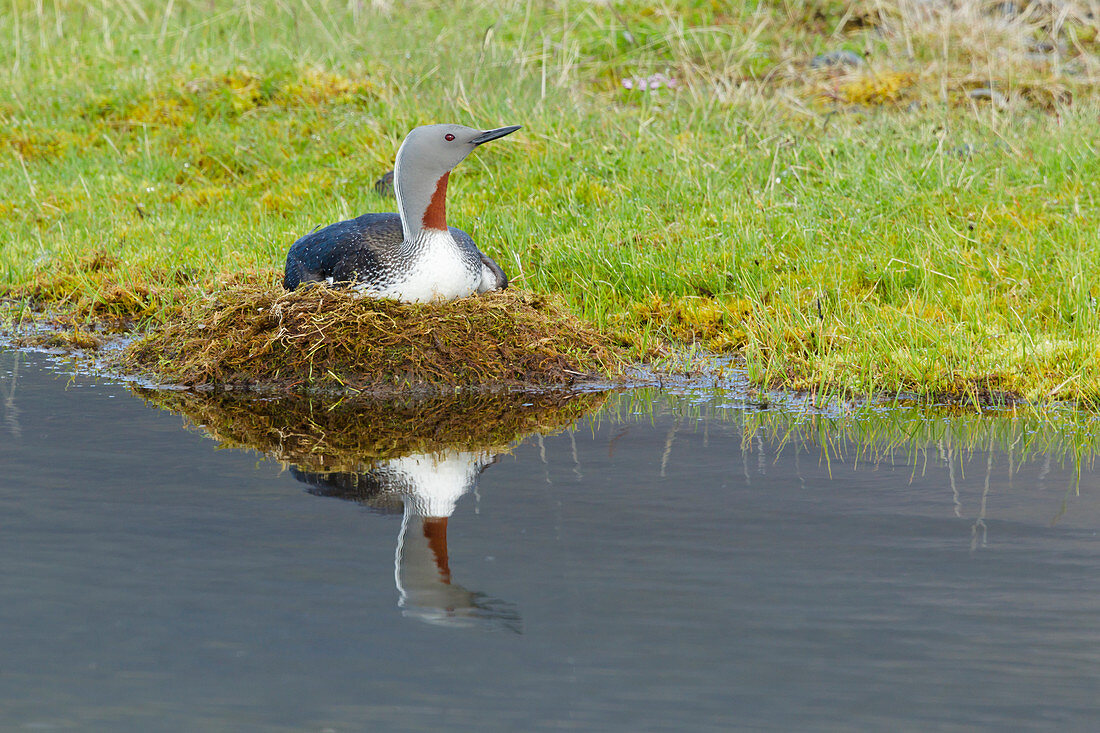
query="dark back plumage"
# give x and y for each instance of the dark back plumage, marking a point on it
(343, 251)
(363, 248)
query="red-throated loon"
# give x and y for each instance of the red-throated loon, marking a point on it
(412, 255)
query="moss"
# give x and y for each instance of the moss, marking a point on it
(686, 318)
(875, 89)
(253, 333)
(37, 144)
(91, 292)
(234, 93)
(64, 339)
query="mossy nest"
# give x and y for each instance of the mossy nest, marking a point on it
(350, 435)
(254, 334)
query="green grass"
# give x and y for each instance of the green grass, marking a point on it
(846, 231)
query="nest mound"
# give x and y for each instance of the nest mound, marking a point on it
(350, 435)
(254, 334)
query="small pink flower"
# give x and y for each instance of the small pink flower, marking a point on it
(650, 83)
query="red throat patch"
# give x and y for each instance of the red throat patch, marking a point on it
(435, 530)
(435, 216)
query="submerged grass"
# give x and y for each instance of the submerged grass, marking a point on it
(253, 333)
(919, 215)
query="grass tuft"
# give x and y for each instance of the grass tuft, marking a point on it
(253, 333)
(65, 339)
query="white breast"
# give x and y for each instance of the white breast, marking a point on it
(436, 270)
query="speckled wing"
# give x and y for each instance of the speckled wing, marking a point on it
(349, 250)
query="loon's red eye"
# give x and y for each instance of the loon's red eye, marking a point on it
(448, 137)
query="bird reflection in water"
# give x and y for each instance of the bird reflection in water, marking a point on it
(425, 488)
(416, 456)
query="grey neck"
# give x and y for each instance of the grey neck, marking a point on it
(413, 186)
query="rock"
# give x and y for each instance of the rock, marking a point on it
(1045, 51)
(1005, 9)
(987, 94)
(836, 59)
(1047, 47)
(384, 185)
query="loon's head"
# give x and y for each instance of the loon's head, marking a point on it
(423, 164)
(435, 149)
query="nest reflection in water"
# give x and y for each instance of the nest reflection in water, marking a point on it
(353, 434)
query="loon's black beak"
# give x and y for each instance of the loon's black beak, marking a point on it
(494, 134)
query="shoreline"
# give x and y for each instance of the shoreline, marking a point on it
(683, 371)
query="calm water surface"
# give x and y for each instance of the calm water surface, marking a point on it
(654, 569)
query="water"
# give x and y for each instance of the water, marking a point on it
(668, 565)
